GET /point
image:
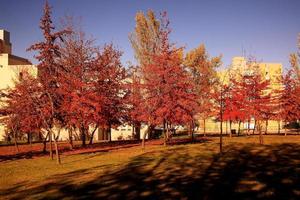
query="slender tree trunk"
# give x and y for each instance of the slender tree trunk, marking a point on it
(227, 128)
(164, 132)
(279, 127)
(193, 130)
(239, 130)
(230, 124)
(45, 143)
(204, 127)
(70, 138)
(56, 151)
(285, 129)
(221, 136)
(267, 123)
(138, 131)
(144, 136)
(248, 127)
(167, 135)
(50, 140)
(109, 133)
(261, 141)
(83, 136)
(92, 135)
(165, 138)
(28, 138)
(133, 131)
(254, 127)
(16, 142)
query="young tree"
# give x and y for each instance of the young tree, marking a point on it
(109, 81)
(26, 106)
(253, 96)
(169, 89)
(289, 99)
(80, 105)
(49, 69)
(203, 71)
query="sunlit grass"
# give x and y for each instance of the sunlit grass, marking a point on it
(172, 169)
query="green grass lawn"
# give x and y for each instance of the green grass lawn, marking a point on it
(246, 170)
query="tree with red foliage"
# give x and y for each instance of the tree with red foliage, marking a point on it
(49, 69)
(26, 106)
(109, 81)
(81, 105)
(289, 99)
(252, 96)
(169, 89)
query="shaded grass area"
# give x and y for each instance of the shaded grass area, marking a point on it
(246, 170)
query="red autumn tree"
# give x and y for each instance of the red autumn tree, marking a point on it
(49, 69)
(109, 81)
(253, 95)
(289, 99)
(80, 105)
(26, 107)
(169, 89)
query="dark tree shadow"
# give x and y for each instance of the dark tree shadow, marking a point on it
(242, 172)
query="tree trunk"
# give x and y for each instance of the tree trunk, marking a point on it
(248, 127)
(50, 140)
(192, 130)
(56, 151)
(221, 136)
(109, 133)
(204, 127)
(254, 127)
(165, 138)
(28, 138)
(239, 130)
(92, 135)
(230, 125)
(138, 131)
(16, 142)
(279, 127)
(285, 129)
(83, 136)
(45, 143)
(267, 123)
(70, 138)
(144, 136)
(226, 127)
(261, 141)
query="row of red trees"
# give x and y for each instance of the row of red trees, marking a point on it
(250, 96)
(81, 87)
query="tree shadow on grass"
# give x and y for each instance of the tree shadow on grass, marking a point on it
(242, 172)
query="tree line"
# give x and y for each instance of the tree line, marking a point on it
(82, 87)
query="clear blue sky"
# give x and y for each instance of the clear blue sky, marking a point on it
(266, 29)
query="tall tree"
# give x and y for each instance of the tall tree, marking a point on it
(254, 94)
(26, 106)
(48, 68)
(169, 89)
(289, 99)
(146, 39)
(204, 74)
